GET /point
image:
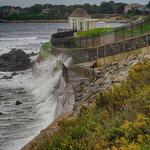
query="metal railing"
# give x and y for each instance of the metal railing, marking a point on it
(67, 40)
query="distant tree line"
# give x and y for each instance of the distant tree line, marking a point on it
(54, 12)
(148, 5)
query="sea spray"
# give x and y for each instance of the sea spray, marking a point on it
(42, 84)
(20, 124)
(37, 110)
(54, 96)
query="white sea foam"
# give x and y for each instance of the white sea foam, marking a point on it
(34, 88)
(18, 39)
(41, 83)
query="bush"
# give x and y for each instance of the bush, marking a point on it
(119, 120)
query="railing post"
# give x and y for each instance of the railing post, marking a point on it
(123, 32)
(97, 52)
(89, 55)
(141, 27)
(115, 34)
(104, 54)
(80, 41)
(93, 40)
(132, 29)
(86, 41)
(99, 39)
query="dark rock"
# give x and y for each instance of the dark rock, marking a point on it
(15, 60)
(7, 77)
(32, 54)
(14, 74)
(18, 103)
(1, 114)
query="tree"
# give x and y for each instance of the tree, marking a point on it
(106, 8)
(36, 9)
(148, 5)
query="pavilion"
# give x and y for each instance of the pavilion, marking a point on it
(80, 20)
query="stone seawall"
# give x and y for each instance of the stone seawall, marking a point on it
(85, 90)
(89, 54)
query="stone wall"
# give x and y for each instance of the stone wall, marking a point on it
(82, 55)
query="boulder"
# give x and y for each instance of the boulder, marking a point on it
(14, 74)
(1, 114)
(6, 77)
(32, 54)
(14, 60)
(18, 103)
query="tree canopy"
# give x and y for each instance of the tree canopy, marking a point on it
(148, 5)
(51, 12)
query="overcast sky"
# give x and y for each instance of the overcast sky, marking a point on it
(25, 3)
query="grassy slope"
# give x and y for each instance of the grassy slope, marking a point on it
(93, 32)
(136, 30)
(118, 120)
(127, 32)
(44, 51)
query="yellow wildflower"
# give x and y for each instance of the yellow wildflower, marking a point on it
(134, 146)
(126, 124)
(114, 148)
(140, 139)
(123, 148)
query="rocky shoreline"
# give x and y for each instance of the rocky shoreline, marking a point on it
(84, 86)
(15, 60)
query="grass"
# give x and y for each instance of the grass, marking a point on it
(127, 32)
(44, 51)
(136, 30)
(46, 46)
(119, 118)
(93, 32)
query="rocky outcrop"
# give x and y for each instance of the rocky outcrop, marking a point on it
(14, 60)
(18, 103)
(1, 114)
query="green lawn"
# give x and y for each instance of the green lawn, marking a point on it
(136, 30)
(127, 32)
(93, 32)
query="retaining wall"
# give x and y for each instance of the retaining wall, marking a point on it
(82, 55)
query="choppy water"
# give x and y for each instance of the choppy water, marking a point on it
(21, 123)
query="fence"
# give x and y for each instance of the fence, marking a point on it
(66, 40)
(91, 54)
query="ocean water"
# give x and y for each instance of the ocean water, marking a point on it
(35, 89)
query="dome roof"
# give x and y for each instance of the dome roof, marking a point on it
(79, 12)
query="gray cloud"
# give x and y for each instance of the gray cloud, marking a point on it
(25, 3)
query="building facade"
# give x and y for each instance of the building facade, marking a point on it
(132, 6)
(80, 20)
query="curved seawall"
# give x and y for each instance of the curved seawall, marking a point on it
(64, 95)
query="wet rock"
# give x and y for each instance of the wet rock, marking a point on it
(14, 74)
(1, 114)
(7, 77)
(32, 54)
(18, 103)
(14, 60)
